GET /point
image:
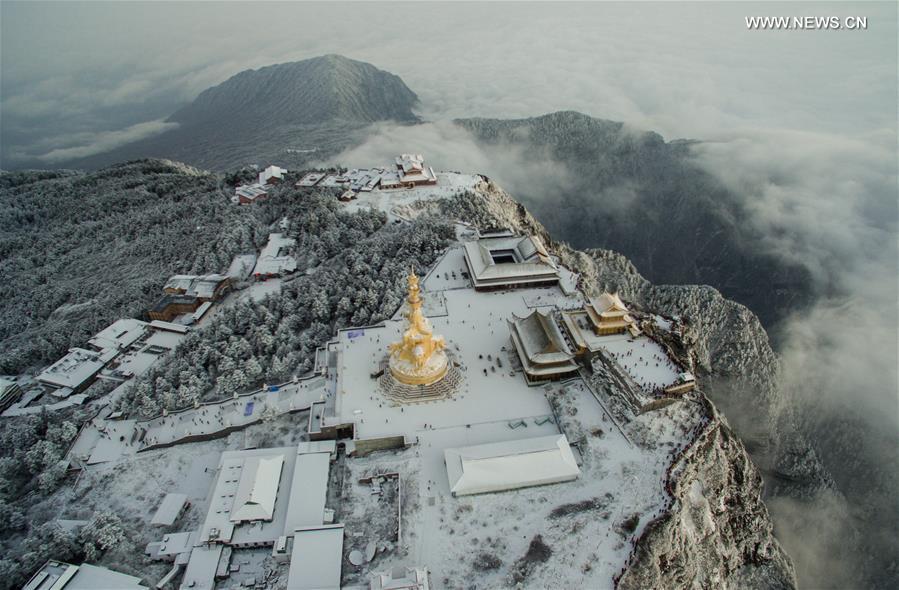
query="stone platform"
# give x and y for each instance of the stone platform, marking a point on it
(401, 393)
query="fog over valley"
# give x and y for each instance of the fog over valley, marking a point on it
(762, 163)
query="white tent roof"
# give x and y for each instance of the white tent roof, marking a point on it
(258, 487)
(496, 467)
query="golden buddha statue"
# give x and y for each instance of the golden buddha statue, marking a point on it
(419, 358)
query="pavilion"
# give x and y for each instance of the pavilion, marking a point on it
(609, 315)
(541, 347)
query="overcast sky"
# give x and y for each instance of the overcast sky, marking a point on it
(73, 72)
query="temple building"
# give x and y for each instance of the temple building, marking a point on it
(541, 347)
(412, 171)
(609, 315)
(272, 175)
(419, 358)
(509, 262)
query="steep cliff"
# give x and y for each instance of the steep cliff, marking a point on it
(717, 532)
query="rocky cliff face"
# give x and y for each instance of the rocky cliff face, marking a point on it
(718, 532)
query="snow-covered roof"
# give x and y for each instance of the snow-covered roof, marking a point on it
(56, 575)
(316, 559)
(172, 544)
(202, 286)
(241, 266)
(271, 173)
(74, 369)
(519, 260)
(169, 327)
(120, 335)
(539, 338)
(410, 162)
(509, 465)
(201, 311)
(413, 578)
(200, 571)
(608, 302)
(257, 490)
(251, 191)
(169, 509)
(310, 486)
(9, 388)
(310, 179)
(271, 260)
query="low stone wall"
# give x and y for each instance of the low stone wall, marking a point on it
(384, 443)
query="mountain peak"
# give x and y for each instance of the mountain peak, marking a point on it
(312, 91)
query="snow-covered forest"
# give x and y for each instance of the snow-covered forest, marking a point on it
(356, 267)
(85, 249)
(79, 251)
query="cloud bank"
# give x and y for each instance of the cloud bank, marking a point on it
(801, 124)
(87, 143)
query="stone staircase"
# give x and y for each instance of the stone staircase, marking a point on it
(402, 393)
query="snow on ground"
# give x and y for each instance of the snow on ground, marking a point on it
(395, 201)
(588, 525)
(133, 486)
(481, 538)
(448, 273)
(139, 362)
(662, 322)
(619, 479)
(107, 440)
(232, 413)
(478, 336)
(643, 359)
(259, 290)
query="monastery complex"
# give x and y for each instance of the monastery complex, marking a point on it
(487, 382)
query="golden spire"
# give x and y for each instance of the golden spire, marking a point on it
(419, 358)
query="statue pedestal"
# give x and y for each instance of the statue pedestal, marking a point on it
(433, 370)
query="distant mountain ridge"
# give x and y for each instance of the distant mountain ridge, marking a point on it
(633, 192)
(304, 92)
(279, 113)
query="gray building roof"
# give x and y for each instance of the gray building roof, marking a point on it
(169, 509)
(56, 575)
(541, 346)
(317, 557)
(509, 261)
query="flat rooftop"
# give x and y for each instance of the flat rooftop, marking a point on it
(74, 369)
(317, 558)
